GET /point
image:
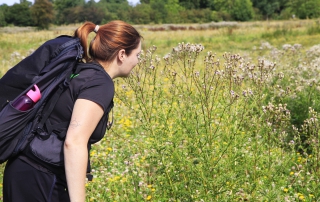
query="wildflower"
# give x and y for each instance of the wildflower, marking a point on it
(291, 173)
(93, 152)
(301, 196)
(149, 198)
(285, 190)
(286, 47)
(166, 57)
(244, 93)
(299, 159)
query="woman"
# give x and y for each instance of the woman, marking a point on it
(85, 105)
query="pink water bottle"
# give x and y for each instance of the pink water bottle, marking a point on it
(27, 101)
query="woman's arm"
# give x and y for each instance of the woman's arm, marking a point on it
(85, 117)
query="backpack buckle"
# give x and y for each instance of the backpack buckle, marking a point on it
(42, 134)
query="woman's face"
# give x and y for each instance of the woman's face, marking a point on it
(130, 61)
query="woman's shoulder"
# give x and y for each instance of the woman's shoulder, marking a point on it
(93, 68)
(93, 73)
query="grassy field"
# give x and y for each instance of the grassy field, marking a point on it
(218, 114)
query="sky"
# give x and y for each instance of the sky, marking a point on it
(11, 2)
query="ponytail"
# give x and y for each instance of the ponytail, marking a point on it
(109, 40)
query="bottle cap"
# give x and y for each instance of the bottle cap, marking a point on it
(34, 95)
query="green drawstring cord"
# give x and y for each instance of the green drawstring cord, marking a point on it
(74, 75)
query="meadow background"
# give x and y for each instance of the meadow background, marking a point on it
(213, 112)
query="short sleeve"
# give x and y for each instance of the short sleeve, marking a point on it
(99, 89)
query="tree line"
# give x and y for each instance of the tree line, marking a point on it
(45, 12)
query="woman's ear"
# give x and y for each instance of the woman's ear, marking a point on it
(121, 55)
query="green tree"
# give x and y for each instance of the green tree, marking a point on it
(63, 6)
(92, 12)
(3, 8)
(140, 14)
(222, 5)
(242, 10)
(115, 1)
(165, 11)
(88, 12)
(305, 8)
(42, 13)
(189, 4)
(19, 14)
(159, 11)
(115, 10)
(238, 9)
(196, 16)
(195, 4)
(268, 7)
(172, 8)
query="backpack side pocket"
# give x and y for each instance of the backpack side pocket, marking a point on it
(15, 128)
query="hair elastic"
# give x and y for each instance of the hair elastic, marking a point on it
(96, 29)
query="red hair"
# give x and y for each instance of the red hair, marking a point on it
(109, 40)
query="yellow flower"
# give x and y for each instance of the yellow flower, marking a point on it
(149, 197)
(142, 159)
(149, 185)
(301, 197)
(123, 179)
(311, 195)
(285, 190)
(129, 93)
(299, 159)
(291, 173)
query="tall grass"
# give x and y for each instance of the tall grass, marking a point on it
(213, 116)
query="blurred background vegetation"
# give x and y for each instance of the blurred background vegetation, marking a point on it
(44, 13)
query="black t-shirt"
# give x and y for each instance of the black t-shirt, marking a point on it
(89, 84)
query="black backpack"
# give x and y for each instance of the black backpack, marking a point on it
(51, 68)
